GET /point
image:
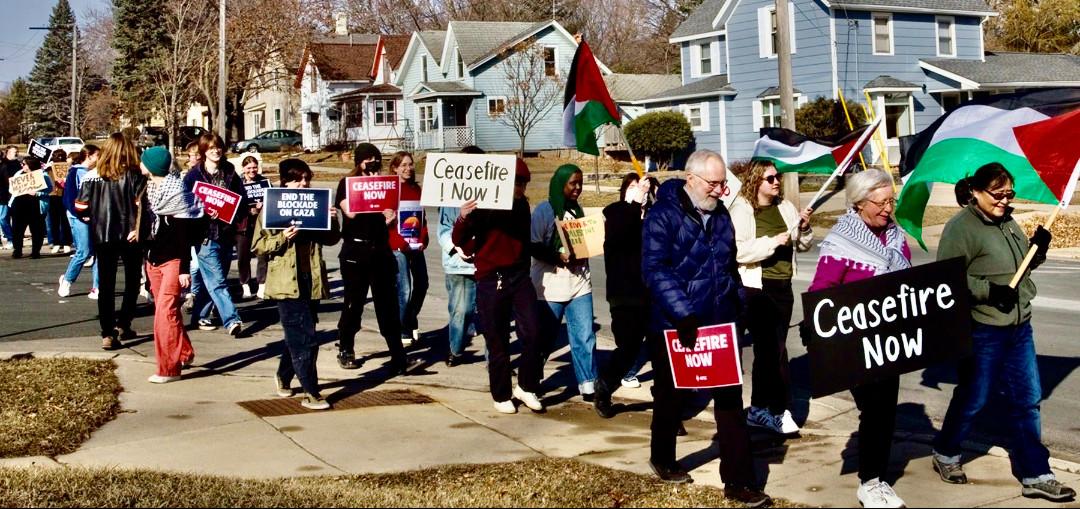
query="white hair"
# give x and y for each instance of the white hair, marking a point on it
(861, 184)
(697, 161)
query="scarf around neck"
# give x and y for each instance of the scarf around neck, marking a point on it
(851, 239)
(169, 198)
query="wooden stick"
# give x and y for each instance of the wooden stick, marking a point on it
(633, 160)
(1022, 270)
(846, 162)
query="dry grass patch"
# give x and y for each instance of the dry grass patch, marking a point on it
(49, 407)
(534, 483)
(1066, 229)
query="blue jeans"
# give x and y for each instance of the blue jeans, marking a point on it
(1003, 362)
(5, 221)
(461, 303)
(214, 262)
(301, 345)
(579, 330)
(412, 279)
(43, 204)
(84, 249)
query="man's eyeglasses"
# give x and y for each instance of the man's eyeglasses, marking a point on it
(891, 202)
(1002, 195)
(713, 184)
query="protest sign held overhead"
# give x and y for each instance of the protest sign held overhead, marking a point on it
(372, 194)
(453, 179)
(41, 152)
(888, 325)
(256, 190)
(306, 209)
(714, 361)
(411, 222)
(584, 236)
(27, 183)
(218, 200)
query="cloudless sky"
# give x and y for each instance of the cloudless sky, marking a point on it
(18, 45)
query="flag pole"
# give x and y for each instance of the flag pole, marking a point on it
(633, 160)
(1066, 198)
(850, 124)
(842, 167)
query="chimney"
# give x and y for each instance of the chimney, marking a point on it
(341, 23)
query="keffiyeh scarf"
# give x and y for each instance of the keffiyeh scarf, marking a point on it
(168, 198)
(851, 239)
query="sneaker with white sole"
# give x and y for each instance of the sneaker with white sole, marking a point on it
(876, 493)
(158, 379)
(236, 329)
(631, 382)
(65, 287)
(787, 423)
(67, 249)
(89, 262)
(314, 403)
(505, 407)
(93, 294)
(189, 302)
(283, 389)
(247, 292)
(762, 418)
(529, 399)
(1049, 489)
(207, 325)
(55, 249)
(144, 293)
(406, 341)
(261, 293)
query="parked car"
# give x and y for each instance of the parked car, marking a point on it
(269, 141)
(152, 137)
(187, 134)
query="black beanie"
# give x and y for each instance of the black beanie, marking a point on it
(365, 151)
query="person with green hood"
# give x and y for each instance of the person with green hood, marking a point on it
(563, 281)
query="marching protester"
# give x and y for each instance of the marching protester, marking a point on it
(1003, 360)
(412, 277)
(627, 296)
(193, 158)
(688, 264)
(113, 196)
(177, 225)
(57, 229)
(81, 164)
(26, 212)
(245, 232)
(563, 281)
(295, 279)
(866, 242)
(460, 280)
(368, 262)
(768, 232)
(215, 252)
(9, 164)
(499, 243)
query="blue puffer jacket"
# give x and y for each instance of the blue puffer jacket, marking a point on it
(688, 267)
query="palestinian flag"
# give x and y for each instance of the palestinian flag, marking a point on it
(790, 151)
(587, 104)
(1031, 134)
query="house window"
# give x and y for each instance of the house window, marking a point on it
(706, 59)
(460, 65)
(693, 114)
(550, 68)
(423, 68)
(769, 32)
(771, 114)
(313, 118)
(883, 34)
(899, 115)
(277, 118)
(949, 101)
(385, 112)
(311, 80)
(946, 36)
(427, 117)
(774, 33)
(354, 114)
(260, 120)
(496, 106)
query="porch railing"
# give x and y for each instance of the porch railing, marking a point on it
(452, 137)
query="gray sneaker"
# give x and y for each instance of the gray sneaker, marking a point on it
(1050, 490)
(952, 473)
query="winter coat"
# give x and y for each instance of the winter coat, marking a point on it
(622, 254)
(753, 249)
(113, 206)
(281, 275)
(219, 231)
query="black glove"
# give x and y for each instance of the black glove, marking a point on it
(1003, 297)
(806, 332)
(1041, 238)
(688, 329)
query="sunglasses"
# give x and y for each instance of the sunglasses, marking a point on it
(772, 179)
(1002, 195)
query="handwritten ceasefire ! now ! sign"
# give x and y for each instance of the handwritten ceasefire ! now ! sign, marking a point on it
(453, 179)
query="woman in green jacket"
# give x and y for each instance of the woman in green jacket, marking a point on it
(992, 245)
(296, 276)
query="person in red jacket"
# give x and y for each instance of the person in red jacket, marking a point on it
(504, 290)
(408, 239)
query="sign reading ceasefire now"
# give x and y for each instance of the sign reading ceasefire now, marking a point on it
(453, 179)
(713, 362)
(372, 194)
(218, 200)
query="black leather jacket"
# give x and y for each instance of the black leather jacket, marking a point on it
(113, 206)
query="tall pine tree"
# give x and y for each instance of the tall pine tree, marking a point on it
(48, 111)
(139, 30)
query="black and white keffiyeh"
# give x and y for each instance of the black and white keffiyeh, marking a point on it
(168, 198)
(852, 239)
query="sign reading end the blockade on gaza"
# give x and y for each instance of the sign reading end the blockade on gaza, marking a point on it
(215, 199)
(887, 325)
(453, 179)
(306, 209)
(714, 361)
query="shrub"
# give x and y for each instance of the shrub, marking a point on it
(824, 118)
(659, 135)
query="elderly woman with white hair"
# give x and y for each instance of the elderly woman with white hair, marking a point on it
(866, 242)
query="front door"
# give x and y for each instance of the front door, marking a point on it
(457, 113)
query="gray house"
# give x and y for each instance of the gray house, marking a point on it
(910, 60)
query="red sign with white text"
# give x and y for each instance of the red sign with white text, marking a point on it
(714, 361)
(215, 199)
(372, 194)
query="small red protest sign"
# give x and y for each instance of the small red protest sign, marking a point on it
(219, 200)
(714, 361)
(372, 194)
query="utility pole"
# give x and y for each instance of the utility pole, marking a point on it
(787, 98)
(220, 120)
(74, 67)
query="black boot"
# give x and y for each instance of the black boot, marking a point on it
(602, 403)
(347, 360)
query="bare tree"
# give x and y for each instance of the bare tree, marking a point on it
(97, 31)
(171, 68)
(532, 89)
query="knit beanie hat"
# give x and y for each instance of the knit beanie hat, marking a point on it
(157, 160)
(365, 151)
(521, 171)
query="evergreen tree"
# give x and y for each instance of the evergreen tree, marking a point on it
(49, 107)
(139, 30)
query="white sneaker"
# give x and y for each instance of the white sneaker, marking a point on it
(787, 423)
(158, 379)
(312, 403)
(7, 246)
(93, 294)
(587, 389)
(189, 302)
(761, 418)
(529, 399)
(282, 389)
(89, 262)
(65, 287)
(55, 249)
(416, 334)
(247, 292)
(144, 293)
(631, 382)
(876, 493)
(505, 407)
(67, 249)
(261, 294)
(406, 342)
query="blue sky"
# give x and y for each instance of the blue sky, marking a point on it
(19, 45)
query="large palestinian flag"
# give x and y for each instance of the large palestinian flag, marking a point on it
(790, 151)
(587, 104)
(1032, 134)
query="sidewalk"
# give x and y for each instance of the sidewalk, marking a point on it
(196, 425)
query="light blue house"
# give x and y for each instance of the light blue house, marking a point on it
(915, 59)
(455, 84)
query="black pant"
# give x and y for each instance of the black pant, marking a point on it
(381, 277)
(768, 317)
(26, 213)
(736, 463)
(109, 255)
(58, 221)
(877, 422)
(629, 325)
(500, 297)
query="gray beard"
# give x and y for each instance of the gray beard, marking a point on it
(705, 204)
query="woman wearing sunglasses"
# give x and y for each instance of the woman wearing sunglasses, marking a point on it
(768, 231)
(992, 245)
